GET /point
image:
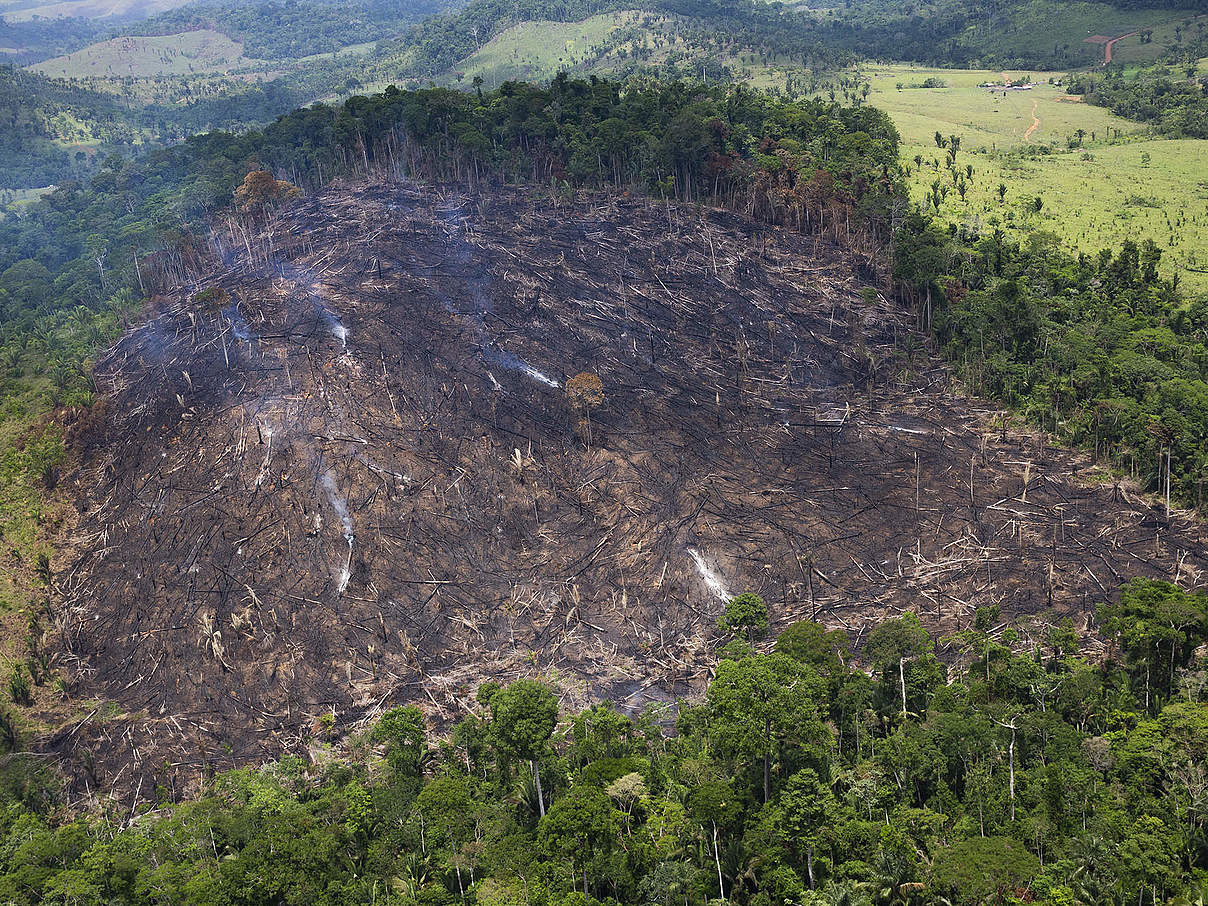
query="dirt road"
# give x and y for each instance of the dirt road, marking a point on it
(1107, 48)
(1027, 136)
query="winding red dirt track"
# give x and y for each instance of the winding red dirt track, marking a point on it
(1107, 48)
(1027, 136)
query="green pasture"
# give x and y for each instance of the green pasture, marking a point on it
(539, 50)
(1117, 182)
(186, 53)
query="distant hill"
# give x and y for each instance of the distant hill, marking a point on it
(193, 52)
(230, 64)
(87, 9)
(285, 30)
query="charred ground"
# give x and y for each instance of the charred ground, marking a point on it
(353, 477)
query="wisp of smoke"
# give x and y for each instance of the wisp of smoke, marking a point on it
(514, 363)
(463, 253)
(267, 434)
(712, 580)
(346, 572)
(338, 330)
(338, 503)
(239, 326)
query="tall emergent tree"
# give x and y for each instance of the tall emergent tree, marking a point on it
(523, 717)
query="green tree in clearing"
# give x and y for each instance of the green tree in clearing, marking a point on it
(746, 613)
(402, 730)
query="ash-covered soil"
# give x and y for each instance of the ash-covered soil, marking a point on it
(359, 480)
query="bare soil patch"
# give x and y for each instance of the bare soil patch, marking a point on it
(356, 480)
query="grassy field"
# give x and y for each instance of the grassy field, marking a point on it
(349, 50)
(538, 50)
(200, 51)
(1118, 183)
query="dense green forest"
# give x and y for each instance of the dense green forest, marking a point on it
(1031, 776)
(1096, 349)
(1174, 104)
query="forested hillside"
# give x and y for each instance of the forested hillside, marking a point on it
(1031, 776)
(35, 111)
(289, 29)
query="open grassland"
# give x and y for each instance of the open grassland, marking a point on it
(1116, 183)
(538, 50)
(186, 53)
(995, 120)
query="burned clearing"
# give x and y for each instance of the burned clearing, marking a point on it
(354, 476)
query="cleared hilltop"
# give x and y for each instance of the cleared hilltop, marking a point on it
(351, 467)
